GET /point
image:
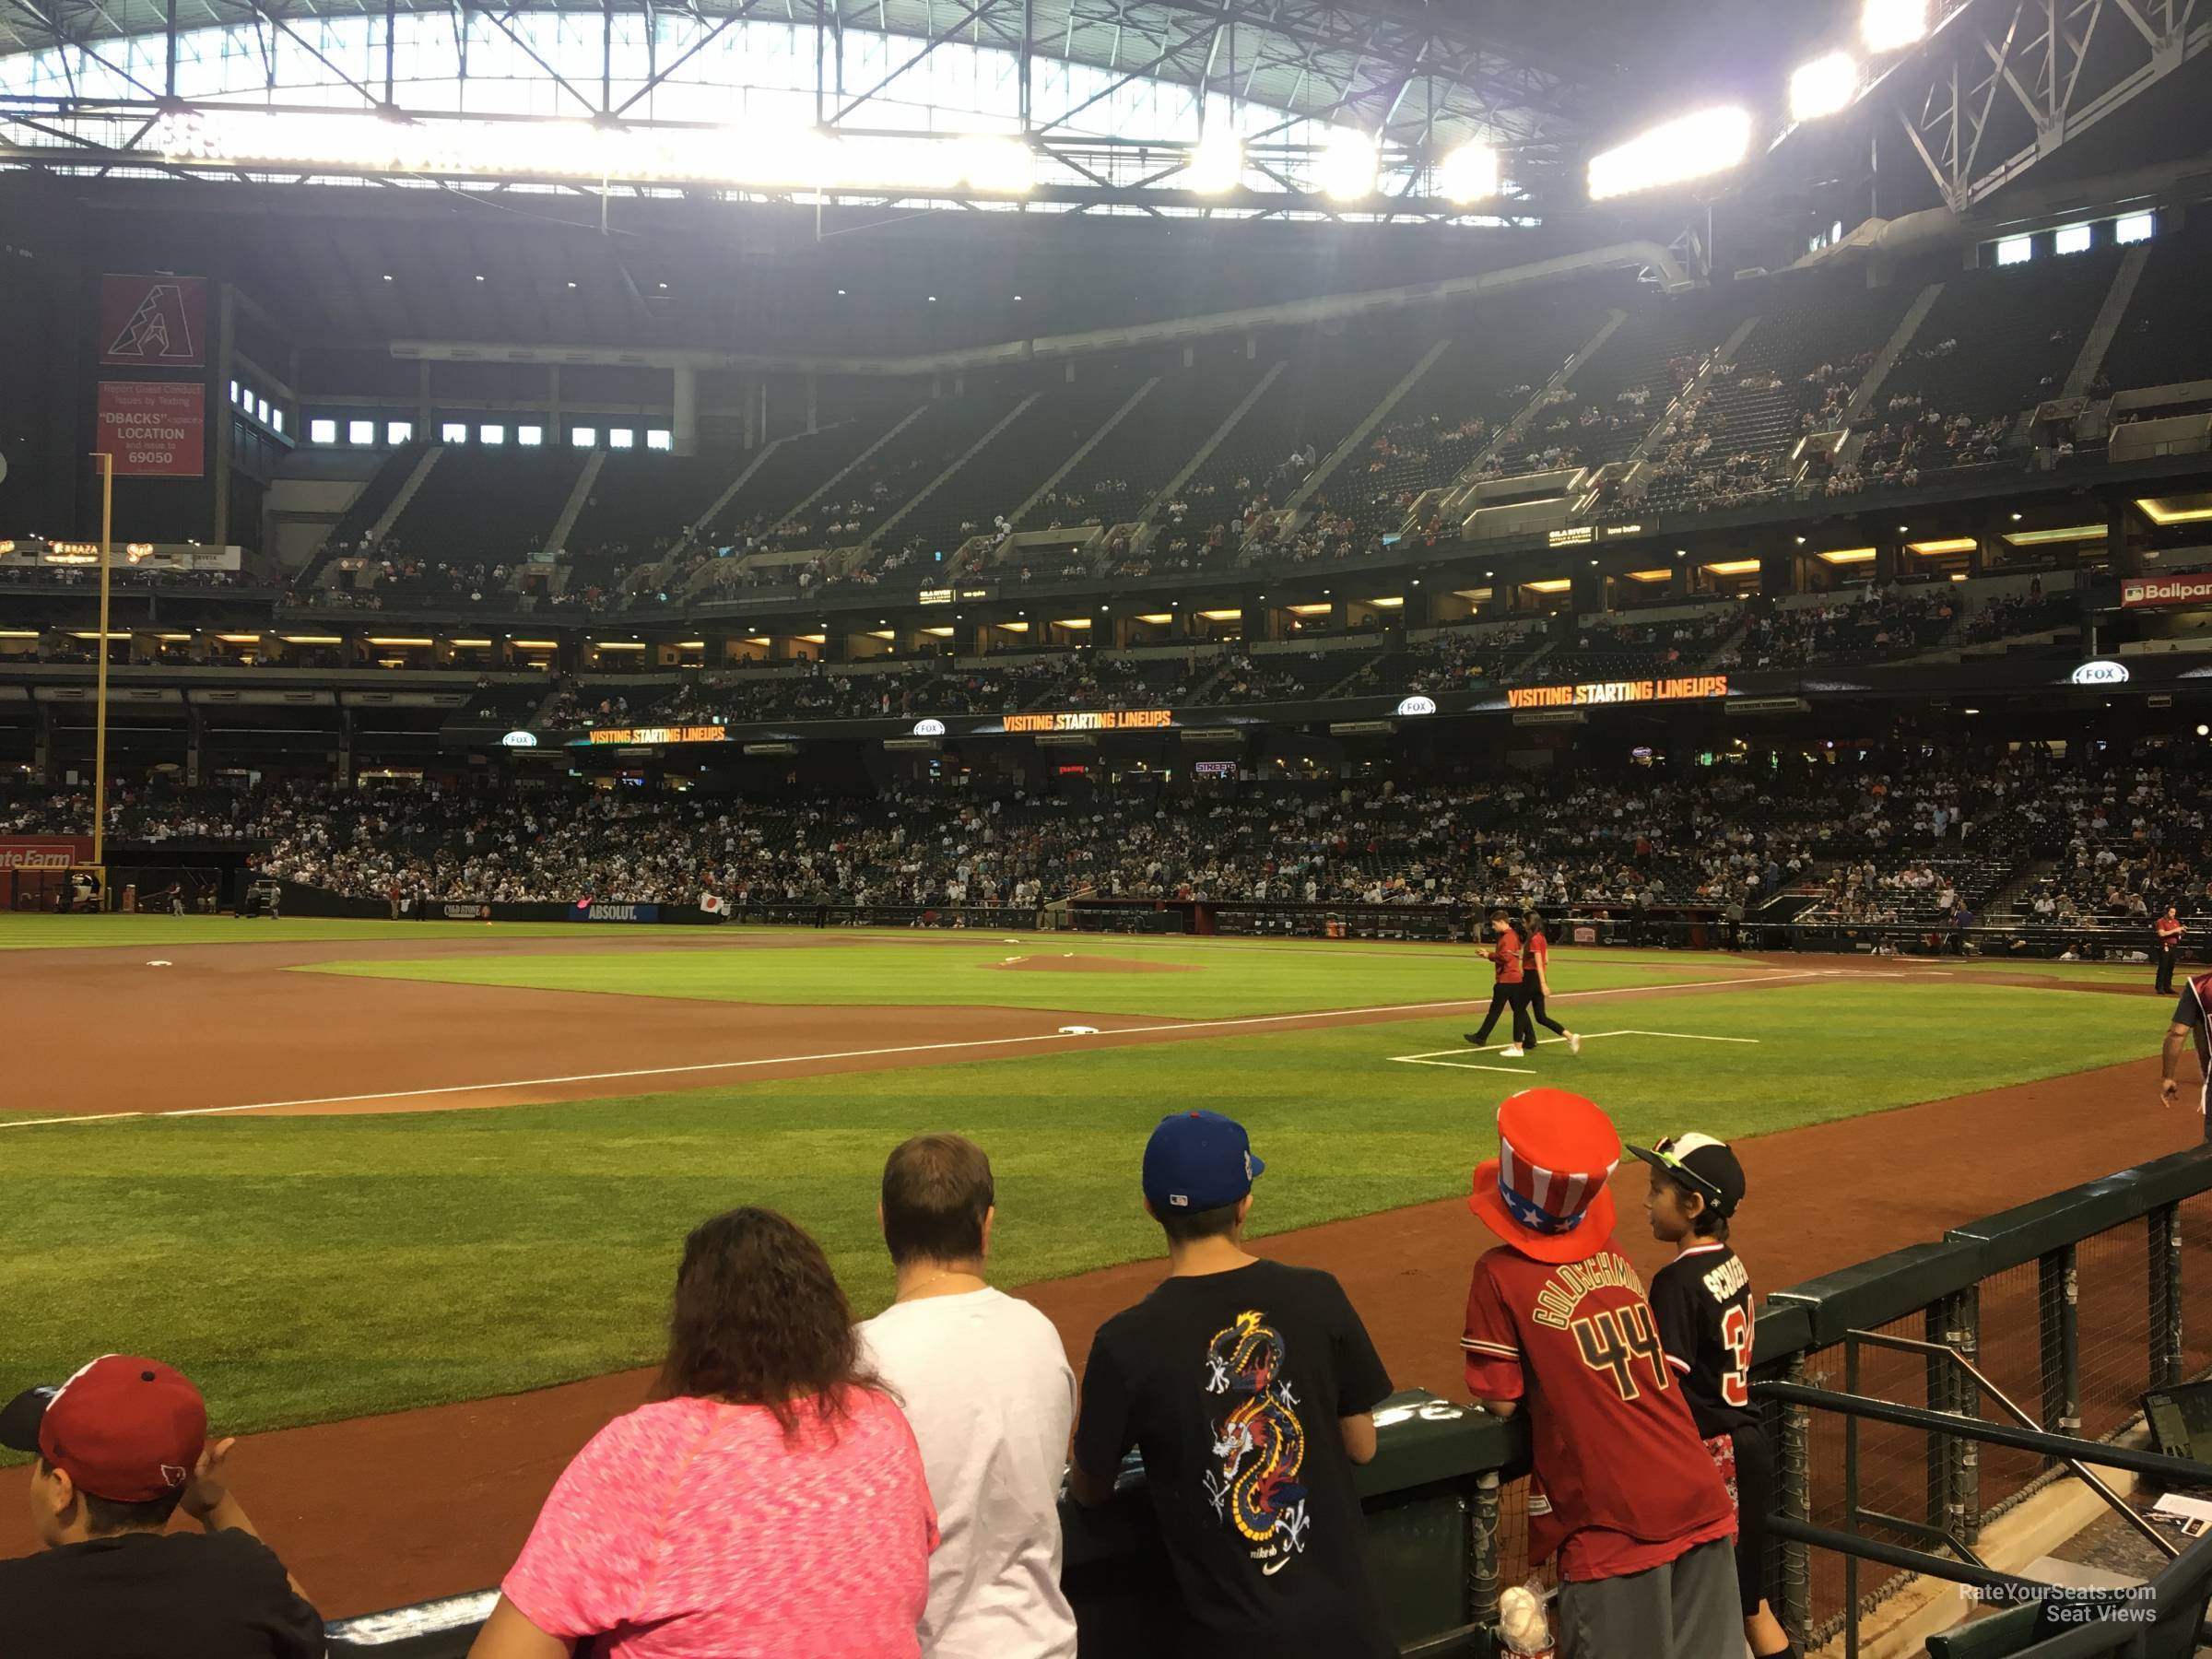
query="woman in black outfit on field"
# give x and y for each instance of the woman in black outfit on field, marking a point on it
(1536, 952)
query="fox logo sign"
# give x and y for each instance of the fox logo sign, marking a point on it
(154, 320)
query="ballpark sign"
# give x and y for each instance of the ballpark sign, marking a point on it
(154, 428)
(1094, 720)
(1599, 693)
(153, 322)
(643, 735)
(2138, 592)
(44, 852)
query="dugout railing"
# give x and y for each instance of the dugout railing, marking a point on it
(2071, 1307)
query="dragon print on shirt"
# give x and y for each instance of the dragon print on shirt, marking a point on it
(1261, 1444)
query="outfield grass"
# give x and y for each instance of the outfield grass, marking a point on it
(313, 1268)
(1211, 982)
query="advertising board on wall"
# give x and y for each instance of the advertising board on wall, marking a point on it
(154, 428)
(1093, 720)
(44, 852)
(1599, 693)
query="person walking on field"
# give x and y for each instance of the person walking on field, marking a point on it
(1538, 971)
(2170, 951)
(1509, 991)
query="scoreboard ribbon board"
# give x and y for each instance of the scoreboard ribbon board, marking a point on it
(1094, 720)
(1599, 693)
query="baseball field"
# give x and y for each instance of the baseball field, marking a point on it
(342, 1171)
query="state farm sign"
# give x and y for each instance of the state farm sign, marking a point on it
(43, 852)
(2138, 591)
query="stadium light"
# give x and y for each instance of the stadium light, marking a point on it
(1003, 166)
(1886, 25)
(1216, 164)
(1347, 165)
(1468, 174)
(1690, 146)
(1823, 86)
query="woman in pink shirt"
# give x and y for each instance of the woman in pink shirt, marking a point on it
(768, 1505)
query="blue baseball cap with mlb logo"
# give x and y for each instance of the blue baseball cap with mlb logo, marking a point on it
(1198, 1160)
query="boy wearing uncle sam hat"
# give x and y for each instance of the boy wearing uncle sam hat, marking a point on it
(1621, 1490)
(1702, 1301)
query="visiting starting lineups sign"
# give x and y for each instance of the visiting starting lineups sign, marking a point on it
(1093, 720)
(626, 735)
(1597, 693)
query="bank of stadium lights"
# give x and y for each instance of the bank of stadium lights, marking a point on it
(1689, 147)
(746, 157)
(1823, 86)
(1216, 163)
(1891, 25)
(1468, 175)
(1347, 166)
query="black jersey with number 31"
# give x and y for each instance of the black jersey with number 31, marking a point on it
(1702, 1303)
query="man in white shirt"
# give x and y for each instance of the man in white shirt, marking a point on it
(987, 1388)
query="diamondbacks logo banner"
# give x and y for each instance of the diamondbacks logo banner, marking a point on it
(153, 322)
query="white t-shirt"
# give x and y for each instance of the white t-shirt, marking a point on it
(987, 1388)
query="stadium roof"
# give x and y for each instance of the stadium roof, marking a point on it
(1539, 80)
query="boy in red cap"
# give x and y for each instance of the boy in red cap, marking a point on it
(121, 1445)
(1621, 1490)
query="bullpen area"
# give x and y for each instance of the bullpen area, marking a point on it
(415, 1191)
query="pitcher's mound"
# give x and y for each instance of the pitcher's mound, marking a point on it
(1087, 964)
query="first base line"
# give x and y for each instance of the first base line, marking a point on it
(1237, 1022)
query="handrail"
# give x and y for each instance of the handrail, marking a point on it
(2089, 1477)
(2176, 1471)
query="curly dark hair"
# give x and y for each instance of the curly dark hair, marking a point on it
(759, 1320)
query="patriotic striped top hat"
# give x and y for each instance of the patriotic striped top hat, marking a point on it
(1545, 1192)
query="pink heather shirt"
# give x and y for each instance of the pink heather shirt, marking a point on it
(690, 1529)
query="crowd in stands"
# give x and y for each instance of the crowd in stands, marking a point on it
(1863, 625)
(27, 571)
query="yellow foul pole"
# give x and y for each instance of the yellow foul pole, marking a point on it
(100, 719)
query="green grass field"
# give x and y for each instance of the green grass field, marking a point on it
(311, 1268)
(1213, 983)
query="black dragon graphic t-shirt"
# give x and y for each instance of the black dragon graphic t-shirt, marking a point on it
(1231, 1384)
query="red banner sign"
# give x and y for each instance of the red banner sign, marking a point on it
(44, 852)
(2136, 592)
(154, 428)
(153, 322)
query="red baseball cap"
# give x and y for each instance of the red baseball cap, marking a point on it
(124, 1428)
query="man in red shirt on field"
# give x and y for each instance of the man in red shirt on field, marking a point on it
(1510, 991)
(1621, 1489)
(2170, 951)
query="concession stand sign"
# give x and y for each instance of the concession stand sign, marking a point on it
(1597, 693)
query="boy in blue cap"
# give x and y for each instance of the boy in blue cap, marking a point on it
(1250, 1388)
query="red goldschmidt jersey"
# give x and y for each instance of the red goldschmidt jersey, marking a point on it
(1622, 1482)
